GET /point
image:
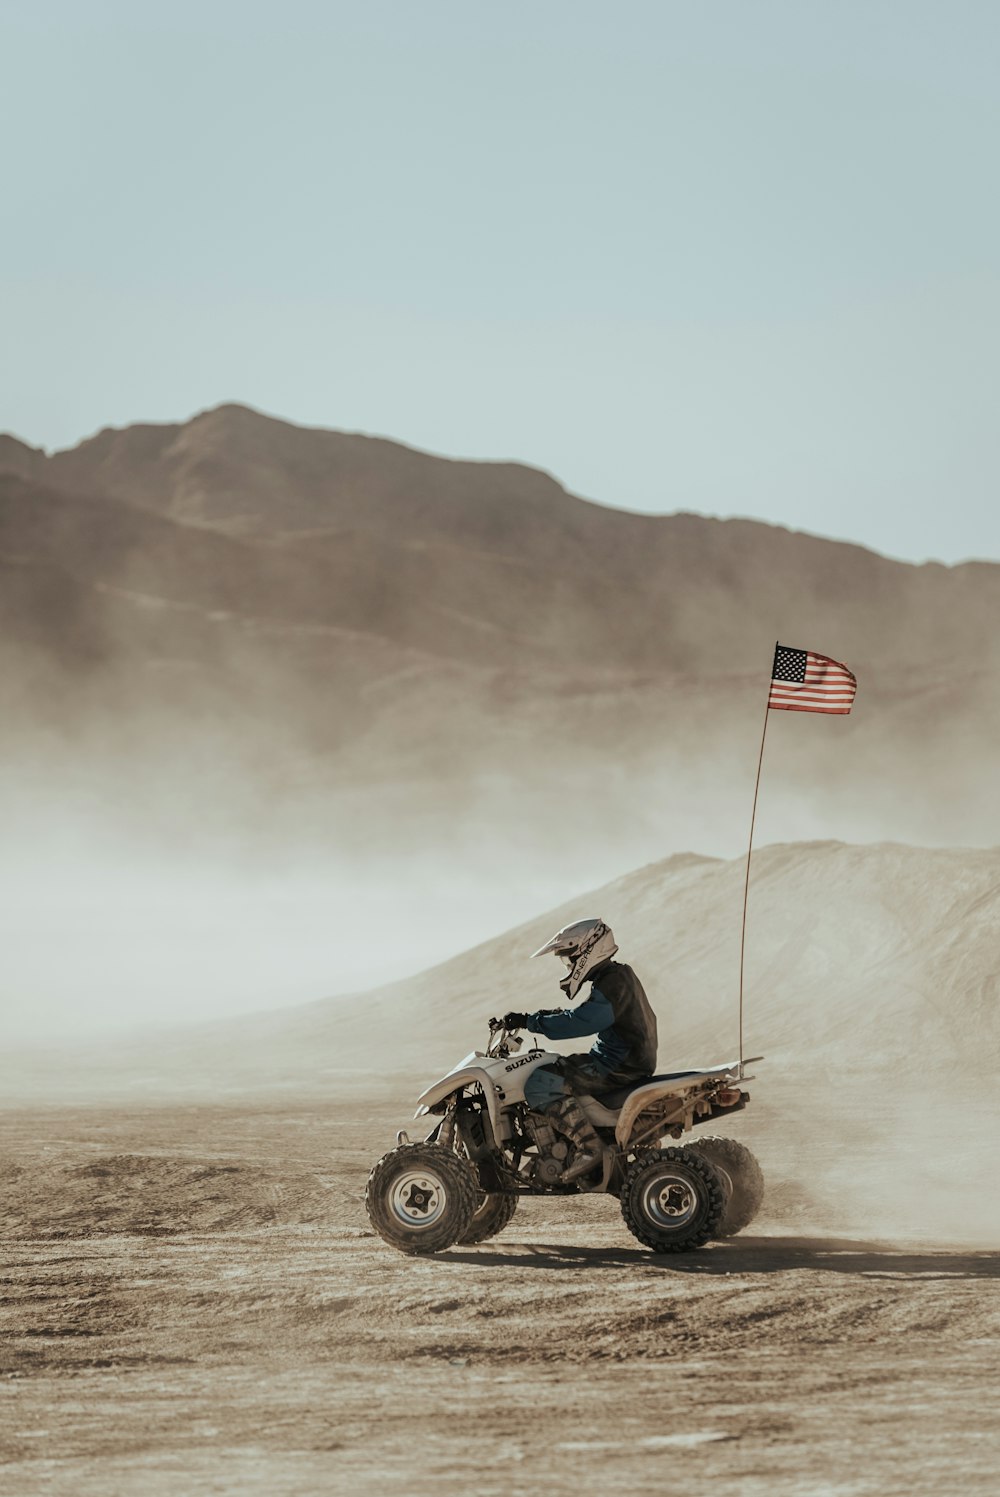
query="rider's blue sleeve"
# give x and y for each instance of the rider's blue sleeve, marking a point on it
(570, 1023)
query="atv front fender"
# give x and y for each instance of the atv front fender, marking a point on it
(453, 1082)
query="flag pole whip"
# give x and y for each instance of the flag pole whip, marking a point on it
(746, 882)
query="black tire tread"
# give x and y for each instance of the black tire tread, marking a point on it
(700, 1232)
(748, 1181)
(493, 1213)
(463, 1194)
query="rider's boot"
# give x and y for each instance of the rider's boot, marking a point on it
(571, 1120)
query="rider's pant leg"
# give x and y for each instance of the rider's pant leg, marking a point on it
(585, 1077)
(543, 1087)
(550, 1090)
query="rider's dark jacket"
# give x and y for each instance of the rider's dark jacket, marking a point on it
(618, 1012)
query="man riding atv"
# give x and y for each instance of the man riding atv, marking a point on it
(612, 1126)
(616, 1010)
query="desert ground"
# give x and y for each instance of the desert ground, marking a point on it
(194, 1303)
(260, 679)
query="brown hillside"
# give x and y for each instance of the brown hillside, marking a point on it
(348, 612)
(496, 562)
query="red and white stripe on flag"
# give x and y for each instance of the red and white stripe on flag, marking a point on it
(802, 681)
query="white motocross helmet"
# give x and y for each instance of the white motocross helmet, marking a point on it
(582, 946)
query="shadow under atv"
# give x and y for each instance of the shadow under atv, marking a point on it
(756, 1255)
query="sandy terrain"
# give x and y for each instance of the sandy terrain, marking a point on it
(870, 968)
(194, 1303)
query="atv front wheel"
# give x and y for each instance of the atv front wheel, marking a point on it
(742, 1181)
(421, 1198)
(494, 1212)
(672, 1201)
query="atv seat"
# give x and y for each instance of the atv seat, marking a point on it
(618, 1097)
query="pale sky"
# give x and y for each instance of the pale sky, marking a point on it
(741, 258)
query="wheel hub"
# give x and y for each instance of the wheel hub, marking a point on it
(670, 1200)
(417, 1199)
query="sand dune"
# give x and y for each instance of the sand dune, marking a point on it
(866, 958)
(866, 961)
(871, 991)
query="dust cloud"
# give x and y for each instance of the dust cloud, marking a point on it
(182, 1202)
(871, 991)
(189, 913)
(197, 881)
(156, 875)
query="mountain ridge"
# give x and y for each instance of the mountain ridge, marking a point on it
(69, 465)
(352, 611)
(425, 555)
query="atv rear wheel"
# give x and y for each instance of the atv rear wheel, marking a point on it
(672, 1201)
(421, 1198)
(742, 1181)
(494, 1212)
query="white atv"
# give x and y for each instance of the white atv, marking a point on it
(463, 1182)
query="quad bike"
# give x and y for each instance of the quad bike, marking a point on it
(463, 1182)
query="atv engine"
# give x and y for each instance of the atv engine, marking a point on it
(552, 1150)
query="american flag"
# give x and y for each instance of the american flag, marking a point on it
(802, 681)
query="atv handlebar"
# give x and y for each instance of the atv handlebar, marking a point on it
(502, 1039)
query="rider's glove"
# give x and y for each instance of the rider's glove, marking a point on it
(515, 1021)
